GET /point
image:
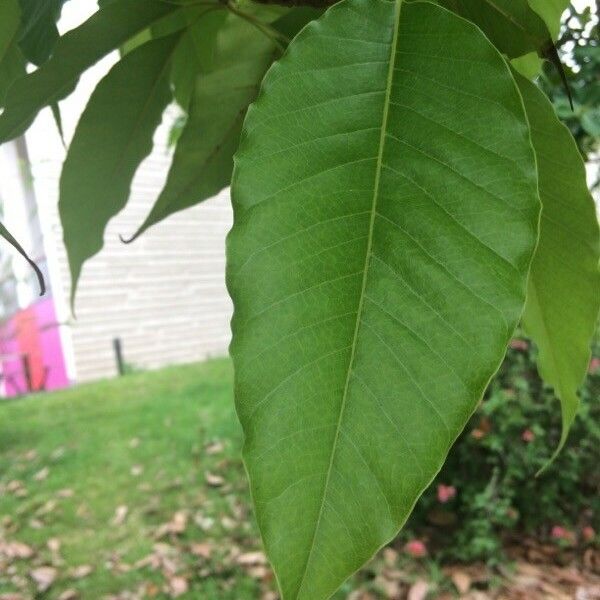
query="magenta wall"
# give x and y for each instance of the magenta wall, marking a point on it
(32, 331)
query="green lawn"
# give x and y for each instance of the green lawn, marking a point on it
(144, 442)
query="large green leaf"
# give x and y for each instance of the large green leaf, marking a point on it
(551, 11)
(12, 66)
(76, 51)
(203, 160)
(112, 137)
(386, 213)
(511, 25)
(39, 33)
(563, 296)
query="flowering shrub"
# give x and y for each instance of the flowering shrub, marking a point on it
(488, 487)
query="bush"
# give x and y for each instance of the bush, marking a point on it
(488, 488)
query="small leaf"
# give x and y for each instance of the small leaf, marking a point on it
(113, 136)
(374, 283)
(39, 33)
(13, 242)
(564, 285)
(203, 160)
(551, 11)
(512, 26)
(75, 52)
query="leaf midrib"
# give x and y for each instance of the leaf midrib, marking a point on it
(379, 165)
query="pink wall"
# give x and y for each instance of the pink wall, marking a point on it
(34, 332)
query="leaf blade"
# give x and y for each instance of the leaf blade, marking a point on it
(322, 453)
(203, 160)
(112, 137)
(77, 50)
(564, 286)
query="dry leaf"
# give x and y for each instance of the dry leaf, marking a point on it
(69, 594)
(177, 586)
(251, 558)
(42, 474)
(203, 550)
(65, 493)
(120, 515)
(43, 577)
(213, 480)
(390, 556)
(137, 470)
(462, 581)
(134, 442)
(81, 571)
(15, 550)
(53, 545)
(215, 447)
(418, 590)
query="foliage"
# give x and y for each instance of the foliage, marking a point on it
(579, 45)
(491, 469)
(387, 194)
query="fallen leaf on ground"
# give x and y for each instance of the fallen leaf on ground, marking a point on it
(418, 590)
(42, 474)
(43, 577)
(65, 493)
(251, 558)
(15, 550)
(203, 549)
(175, 526)
(137, 470)
(120, 515)
(69, 594)
(215, 447)
(177, 586)
(213, 480)
(80, 571)
(53, 545)
(461, 581)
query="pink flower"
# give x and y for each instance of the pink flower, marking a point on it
(588, 533)
(416, 548)
(594, 365)
(560, 533)
(528, 436)
(519, 345)
(445, 493)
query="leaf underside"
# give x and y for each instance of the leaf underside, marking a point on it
(563, 296)
(374, 283)
(112, 137)
(203, 159)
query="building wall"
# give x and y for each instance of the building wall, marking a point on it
(164, 295)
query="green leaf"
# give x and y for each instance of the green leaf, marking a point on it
(512, 26)
(374, 280)
(113, 136)
(203, 160)
(551, 11)
(9, 25)
(39, 33)
(12, 66)
(13, 242)
(563, 296)
(76, 51)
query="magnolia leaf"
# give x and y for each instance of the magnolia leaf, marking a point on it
(12, 66)
(203, 160)
(9, 25)
(39, 33)
(563, 296)
(112, 137)
(511, 25)
(551, 11)
(375, 285)
(13, 242)
(75, 52)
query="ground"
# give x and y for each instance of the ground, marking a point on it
(133, 488)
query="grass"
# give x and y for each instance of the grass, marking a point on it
(139, 442)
